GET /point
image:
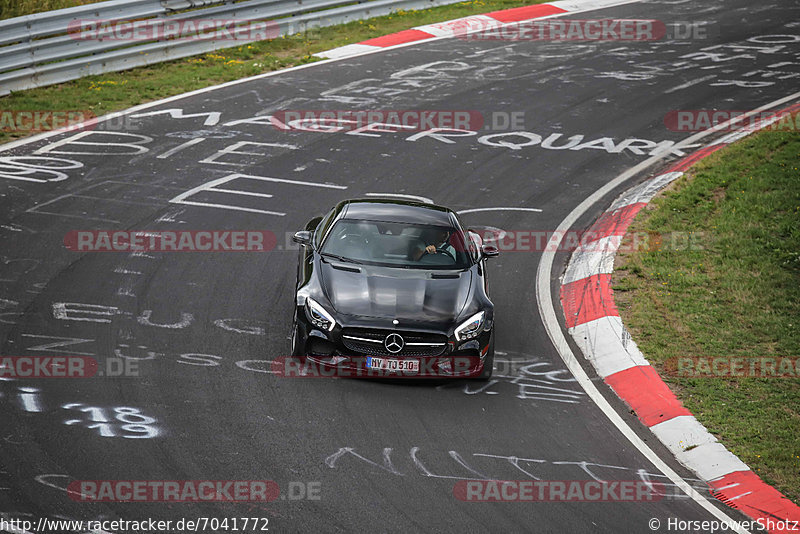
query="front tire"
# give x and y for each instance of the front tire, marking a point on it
(296, 348)
(488, 362)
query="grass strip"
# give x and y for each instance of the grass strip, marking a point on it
(17, 8)
(733, 291)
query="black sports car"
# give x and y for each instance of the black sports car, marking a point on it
(393, 286)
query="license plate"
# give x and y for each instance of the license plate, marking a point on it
(389, 364)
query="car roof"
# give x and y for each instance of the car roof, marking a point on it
(395, 210)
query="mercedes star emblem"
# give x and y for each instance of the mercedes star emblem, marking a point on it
(394, 343)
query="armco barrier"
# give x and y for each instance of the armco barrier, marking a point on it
(44, 49)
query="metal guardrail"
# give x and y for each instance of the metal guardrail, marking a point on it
(46, 48)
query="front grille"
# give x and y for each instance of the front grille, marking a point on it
(370, 342)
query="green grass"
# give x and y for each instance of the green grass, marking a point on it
(17, 8)
(737, 294)
(98, 95)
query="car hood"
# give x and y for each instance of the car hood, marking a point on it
(403, 294)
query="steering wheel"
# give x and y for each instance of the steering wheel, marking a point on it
(443, 250)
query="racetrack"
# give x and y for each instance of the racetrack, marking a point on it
(202, 327)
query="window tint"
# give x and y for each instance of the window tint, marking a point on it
(398, 244)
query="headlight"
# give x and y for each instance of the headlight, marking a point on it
(318, 316)
(470, 328)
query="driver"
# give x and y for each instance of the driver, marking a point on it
(439, 245)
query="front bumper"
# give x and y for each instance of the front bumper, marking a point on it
(348, 350)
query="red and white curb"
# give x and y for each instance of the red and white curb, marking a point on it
(485, 21)
(594, 323)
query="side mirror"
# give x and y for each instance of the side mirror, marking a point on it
(302, 237)
(489, 251)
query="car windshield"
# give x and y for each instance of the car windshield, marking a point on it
(397, 244)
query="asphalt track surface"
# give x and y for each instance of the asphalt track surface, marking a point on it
(201, 327)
